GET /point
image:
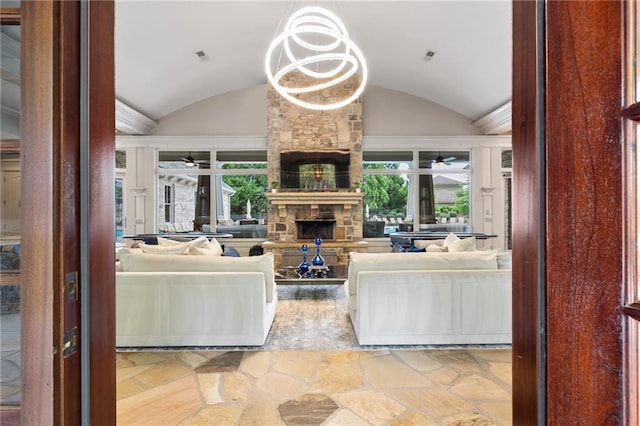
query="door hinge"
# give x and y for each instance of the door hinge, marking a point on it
(70, 342)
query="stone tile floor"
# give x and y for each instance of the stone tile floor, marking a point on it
(397, 387)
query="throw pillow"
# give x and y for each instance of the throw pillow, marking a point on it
(167, 242)
(427, 243)
(451, 238)
(231, 252)
(208, 248)
(202, 251)
(434, 248)
(215, 245)
(414, 249)
(180, 248)
(466, 244)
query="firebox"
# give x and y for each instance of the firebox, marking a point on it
(315, 170)
(310, 229)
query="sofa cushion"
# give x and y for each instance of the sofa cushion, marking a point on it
(418, 261)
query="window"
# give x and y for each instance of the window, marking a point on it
(443, 190)
(506, 175)
(386, 181)
(119, 209)
(241, 183)
(439, 202)
(168, 203)
(183, 191)
(236, 181)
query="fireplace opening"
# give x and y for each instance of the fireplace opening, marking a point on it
(310, 229)
(315, 170)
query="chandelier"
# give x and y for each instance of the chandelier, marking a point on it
(328, 62)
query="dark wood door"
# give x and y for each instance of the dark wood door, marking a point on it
(67, 231)
(568, 340)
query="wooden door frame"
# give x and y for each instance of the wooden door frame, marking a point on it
(60, 94)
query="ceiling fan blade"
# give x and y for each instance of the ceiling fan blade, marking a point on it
(446, 160)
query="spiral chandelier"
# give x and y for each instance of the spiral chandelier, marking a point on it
(316, 43)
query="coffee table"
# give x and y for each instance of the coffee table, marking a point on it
(336, 275)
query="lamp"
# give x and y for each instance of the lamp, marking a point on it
(338, 50)
(318, 171)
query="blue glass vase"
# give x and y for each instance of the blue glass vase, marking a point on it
(318, 260)
(303, 268)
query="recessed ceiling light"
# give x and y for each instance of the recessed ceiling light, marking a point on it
(429, 55)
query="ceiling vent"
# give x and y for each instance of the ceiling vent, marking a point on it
(201, 55)
(429, 55)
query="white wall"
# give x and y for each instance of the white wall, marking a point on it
(392, 113)
(236, 113)
(385, 113)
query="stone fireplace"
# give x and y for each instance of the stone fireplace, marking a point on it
(315, 156)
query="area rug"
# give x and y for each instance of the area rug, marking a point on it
(311, 317)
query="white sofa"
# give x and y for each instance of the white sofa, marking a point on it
(190, 300)
(429, 298)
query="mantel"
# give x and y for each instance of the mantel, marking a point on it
(313, 199)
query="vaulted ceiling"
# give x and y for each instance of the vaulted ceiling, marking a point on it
(158, 70)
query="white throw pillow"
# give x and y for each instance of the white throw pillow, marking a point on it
(427, 243)
(451, 238)
(168, 242)
(435, 248)
(466, 244)
(215, 246)
(212, 248)
(180, 248)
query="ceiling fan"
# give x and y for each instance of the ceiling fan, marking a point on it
(441, 161)
(189, 161)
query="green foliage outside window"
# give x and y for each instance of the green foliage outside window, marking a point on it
(386, 195)
(248, 188)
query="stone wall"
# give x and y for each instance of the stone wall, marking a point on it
(292, 128)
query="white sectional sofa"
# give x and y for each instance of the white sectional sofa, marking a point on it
(430, 298)
(193, 300)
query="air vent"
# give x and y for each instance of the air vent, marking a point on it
(201, 55)
(429, 55)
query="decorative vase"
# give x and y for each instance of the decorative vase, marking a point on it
(318, 260)
(303, 268)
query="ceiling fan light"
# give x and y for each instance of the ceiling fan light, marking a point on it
(189, 161)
